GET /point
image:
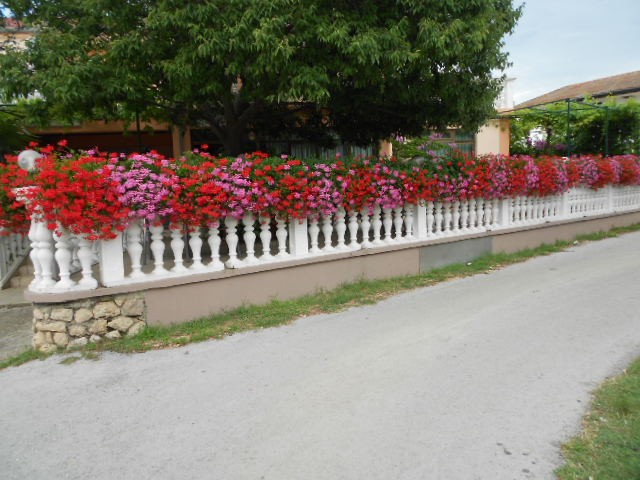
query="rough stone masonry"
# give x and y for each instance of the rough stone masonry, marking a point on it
(75, 324)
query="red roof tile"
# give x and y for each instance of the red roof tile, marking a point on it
(626, 82)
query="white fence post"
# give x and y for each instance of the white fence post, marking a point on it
(609, 204)
(298, 242)
(505, 212)
(111, 261)
(565, 206)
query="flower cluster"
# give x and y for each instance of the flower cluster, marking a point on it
(97, 194)
(144, 184)
(78, 194)
(13, 213)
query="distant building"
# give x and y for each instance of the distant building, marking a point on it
(493, 137)
(11, 30)
(617, 87)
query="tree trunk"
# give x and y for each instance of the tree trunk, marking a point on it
(234, 142)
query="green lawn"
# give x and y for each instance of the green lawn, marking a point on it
(609, 446)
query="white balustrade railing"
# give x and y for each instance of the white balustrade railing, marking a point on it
(252, 241)
(14, 248)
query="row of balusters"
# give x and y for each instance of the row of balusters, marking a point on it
(533, 210)
(13, 248)
(56, 256)
(584, 201)
(625, 198)
(157, 251)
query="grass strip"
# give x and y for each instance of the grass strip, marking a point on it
(277, 312)
(609, 446)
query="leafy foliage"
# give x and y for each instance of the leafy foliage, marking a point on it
(583, 130)
(362, 69)
(13, 134)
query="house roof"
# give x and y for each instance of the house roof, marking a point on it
(12, 24)
(602, 87)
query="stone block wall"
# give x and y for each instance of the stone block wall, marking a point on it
(75, 324)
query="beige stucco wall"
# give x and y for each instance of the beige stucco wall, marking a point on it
(493, 138)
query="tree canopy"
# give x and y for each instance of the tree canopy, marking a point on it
(362, 69)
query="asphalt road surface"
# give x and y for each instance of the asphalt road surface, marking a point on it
(478, 378)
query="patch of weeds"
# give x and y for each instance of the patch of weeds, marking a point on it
(69, 360)
(24, 357)
(89, 355)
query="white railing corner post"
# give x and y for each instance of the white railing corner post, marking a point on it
(298, 240)
(505, 212)
(565, 206)
(111, 261)
(609, 206)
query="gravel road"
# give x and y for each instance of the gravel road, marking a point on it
(478, 378)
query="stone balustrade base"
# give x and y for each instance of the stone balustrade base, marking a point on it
(75, 324)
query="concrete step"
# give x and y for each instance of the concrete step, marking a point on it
(20, 281)
(25, 270)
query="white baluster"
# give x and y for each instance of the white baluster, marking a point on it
(387, 223)
(411, 215)
(540, 204)
(314, 232)
(464, 215)
(13, 245)
(377, 226)
(231, 224)
(177, 247)
(533, 201)
(21, 244)
(195, 243)
(353, 230)
(157, 248)
(281, 235)
(85, 255)
(430, 219)
(327, 233)
(75, 261)
(33, 255)
(214, 242)
(249, 238)
(365, 227)
(517, 210)
(134, 248)
(540, 214)
(398, 222)
(447, 218)
(265, 238)
(530, 203)
(480, 213)
(45, 256)
(488, 213)
(63, 259)
(473, 216)
(455, 230)
(341, 229)
(437, 229)
(496, 206)
(554, 207)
